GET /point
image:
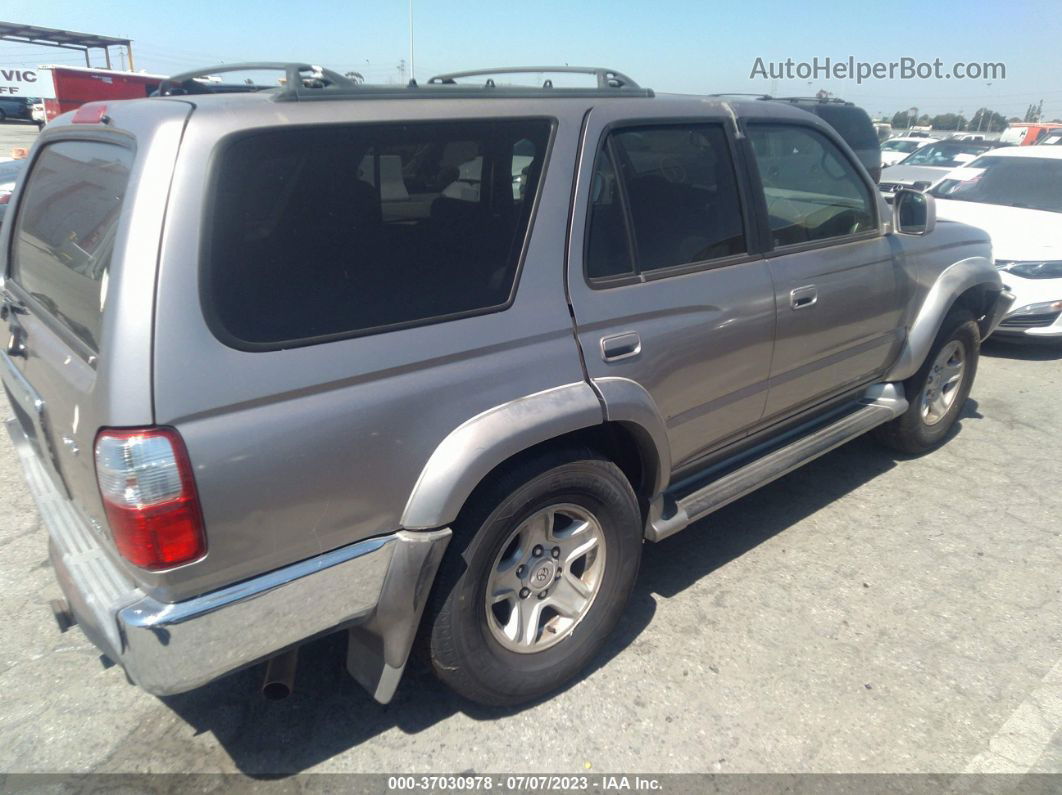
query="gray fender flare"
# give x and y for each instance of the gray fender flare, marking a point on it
(629, 403)
(955, 280)
(474, 448)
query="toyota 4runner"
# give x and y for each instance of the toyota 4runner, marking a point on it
(438, 359)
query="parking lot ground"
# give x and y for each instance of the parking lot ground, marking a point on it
(16, 133)
(863, 614)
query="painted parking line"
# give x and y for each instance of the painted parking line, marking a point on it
(1022, 739)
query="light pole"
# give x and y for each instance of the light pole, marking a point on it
(412, 69)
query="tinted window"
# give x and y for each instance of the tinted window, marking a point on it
(851, 123)
(1031, 182)
(812, 191)
(330, 231)
(65, 230)
(680, 193)
(608, 250)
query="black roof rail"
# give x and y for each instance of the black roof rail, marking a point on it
(820, 100)
(741, 95)
(307, 82)
(607, 79)
(296, 74)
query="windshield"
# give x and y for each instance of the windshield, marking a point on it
(901, 146)
(945, 155)
(1032, 182)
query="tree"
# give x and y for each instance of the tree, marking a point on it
(948, 121)
(900, 120)
(1034, 112)
(986, 120)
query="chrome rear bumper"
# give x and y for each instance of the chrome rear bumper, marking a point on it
(377, 588)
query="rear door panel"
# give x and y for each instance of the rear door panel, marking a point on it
(706, 335)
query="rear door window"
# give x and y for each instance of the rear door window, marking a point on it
(675, 188)
(326, 232)
(64, 234)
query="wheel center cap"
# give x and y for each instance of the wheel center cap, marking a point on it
(542, 575)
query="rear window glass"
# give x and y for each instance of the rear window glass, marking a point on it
(64, 236)
(325, 232)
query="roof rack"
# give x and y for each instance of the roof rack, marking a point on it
(607, 79)
(307, 82)
(297, 76)
(820, 100)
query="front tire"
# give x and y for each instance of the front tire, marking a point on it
(543, 561)
(938, 391)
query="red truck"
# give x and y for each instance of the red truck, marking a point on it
(65, 88)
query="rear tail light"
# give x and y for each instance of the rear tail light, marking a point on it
(91, 113)
(149, 495)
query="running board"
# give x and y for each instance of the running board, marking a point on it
(882, 402)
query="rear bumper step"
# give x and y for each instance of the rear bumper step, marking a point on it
(882, 402)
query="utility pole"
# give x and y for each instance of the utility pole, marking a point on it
(121, 54)
(402, 69)
(412, 66)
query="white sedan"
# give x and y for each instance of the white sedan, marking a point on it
(896, 149)
(1015, 194)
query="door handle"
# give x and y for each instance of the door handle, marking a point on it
(16, 344)
(621, 346)
(803, 297)
(10, 306)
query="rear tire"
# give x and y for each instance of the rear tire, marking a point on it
(938, 391)
(543, 561)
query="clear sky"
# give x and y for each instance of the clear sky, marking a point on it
(669, 45)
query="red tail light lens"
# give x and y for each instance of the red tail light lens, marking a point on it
(149, 495)
(90, 113)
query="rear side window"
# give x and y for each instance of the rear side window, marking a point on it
(811, 189)
(325, 232)
(666, 196)
(64, 233)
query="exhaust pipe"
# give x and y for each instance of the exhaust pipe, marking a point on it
(62, 614)
(280, 675)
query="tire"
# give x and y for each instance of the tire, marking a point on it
(934, 411)
(479, 649)
(3, 117)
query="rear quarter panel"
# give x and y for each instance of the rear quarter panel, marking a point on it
(304, 450)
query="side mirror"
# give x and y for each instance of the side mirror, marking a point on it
(913, 213)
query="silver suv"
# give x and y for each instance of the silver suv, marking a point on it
(438, 359)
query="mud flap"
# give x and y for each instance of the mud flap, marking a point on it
(377, 649)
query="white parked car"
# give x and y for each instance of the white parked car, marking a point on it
(896, 149)
(1015, 194)
(922, 168)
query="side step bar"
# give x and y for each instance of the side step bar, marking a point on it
(882, 402)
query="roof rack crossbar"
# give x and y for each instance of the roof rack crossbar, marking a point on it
(606, 78)
(293, 72)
